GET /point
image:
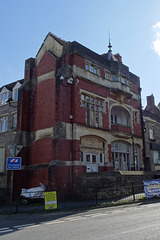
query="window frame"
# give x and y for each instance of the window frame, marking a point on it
(151, 132)
(4, 123)
(15, 94)
(91, 68)
(14, 120)
(114, 119)
(99, 158)
(121, 156)
(114, 78)
(136, 117)
(4, 98)
(94, 109)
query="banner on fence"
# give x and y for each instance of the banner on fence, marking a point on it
(152, 188)
(50, 200)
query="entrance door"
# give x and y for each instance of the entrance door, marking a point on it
(92, 162)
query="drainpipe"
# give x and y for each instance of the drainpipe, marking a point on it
(133, 152)
(71, 153)
(143, 131)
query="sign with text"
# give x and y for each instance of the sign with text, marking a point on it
(152, 188)
(50, 200)
(13, 163)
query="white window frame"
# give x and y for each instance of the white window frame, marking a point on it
(15, 94)
(15, 91)
(4, 123)
(14, 120)
(121, 153)
(4, 98)
(99, 157)
(151, 132)
(94, 109)
(113, 119)
(91, 68)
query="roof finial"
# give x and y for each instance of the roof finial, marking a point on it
(109, 46)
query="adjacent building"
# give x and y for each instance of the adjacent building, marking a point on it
(78, 112)
(8, 125)
(151, 115)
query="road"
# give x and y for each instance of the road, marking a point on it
(135, 222)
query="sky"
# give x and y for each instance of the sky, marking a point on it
(134, 27)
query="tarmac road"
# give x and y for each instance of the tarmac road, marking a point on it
(137, 221)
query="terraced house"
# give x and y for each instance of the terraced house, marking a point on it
(79, 112)
(151, 116)
(8, 124)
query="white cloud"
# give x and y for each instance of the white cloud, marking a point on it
(156, 42)
(156, 46)
(157, 25)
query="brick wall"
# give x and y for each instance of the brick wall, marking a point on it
(87, 182)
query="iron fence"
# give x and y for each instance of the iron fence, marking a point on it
(98, 197)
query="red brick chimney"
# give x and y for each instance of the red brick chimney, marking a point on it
(118, 57)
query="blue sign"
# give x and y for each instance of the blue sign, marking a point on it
(152, 188)
(13, 163)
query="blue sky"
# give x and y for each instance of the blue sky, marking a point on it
(134, 27)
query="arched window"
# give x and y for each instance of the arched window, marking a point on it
(120, 115)
(121, 156)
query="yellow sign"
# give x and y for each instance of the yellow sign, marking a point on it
(50, 200)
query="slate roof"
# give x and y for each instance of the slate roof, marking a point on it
(114, 67)
(151, 115)
(10, 86)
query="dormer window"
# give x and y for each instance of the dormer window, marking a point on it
(4, 95)
(15, 91)
(15, 95)
(4, 98)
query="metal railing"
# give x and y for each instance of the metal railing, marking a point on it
(96, 197)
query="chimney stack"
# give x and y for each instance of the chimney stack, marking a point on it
(118, 57)
(150, 101)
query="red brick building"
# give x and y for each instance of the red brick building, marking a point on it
(78, 112)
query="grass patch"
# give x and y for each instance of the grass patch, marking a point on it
(142, 198)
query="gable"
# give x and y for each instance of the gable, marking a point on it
(52, 45)
(18, 85)
(4, 89)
